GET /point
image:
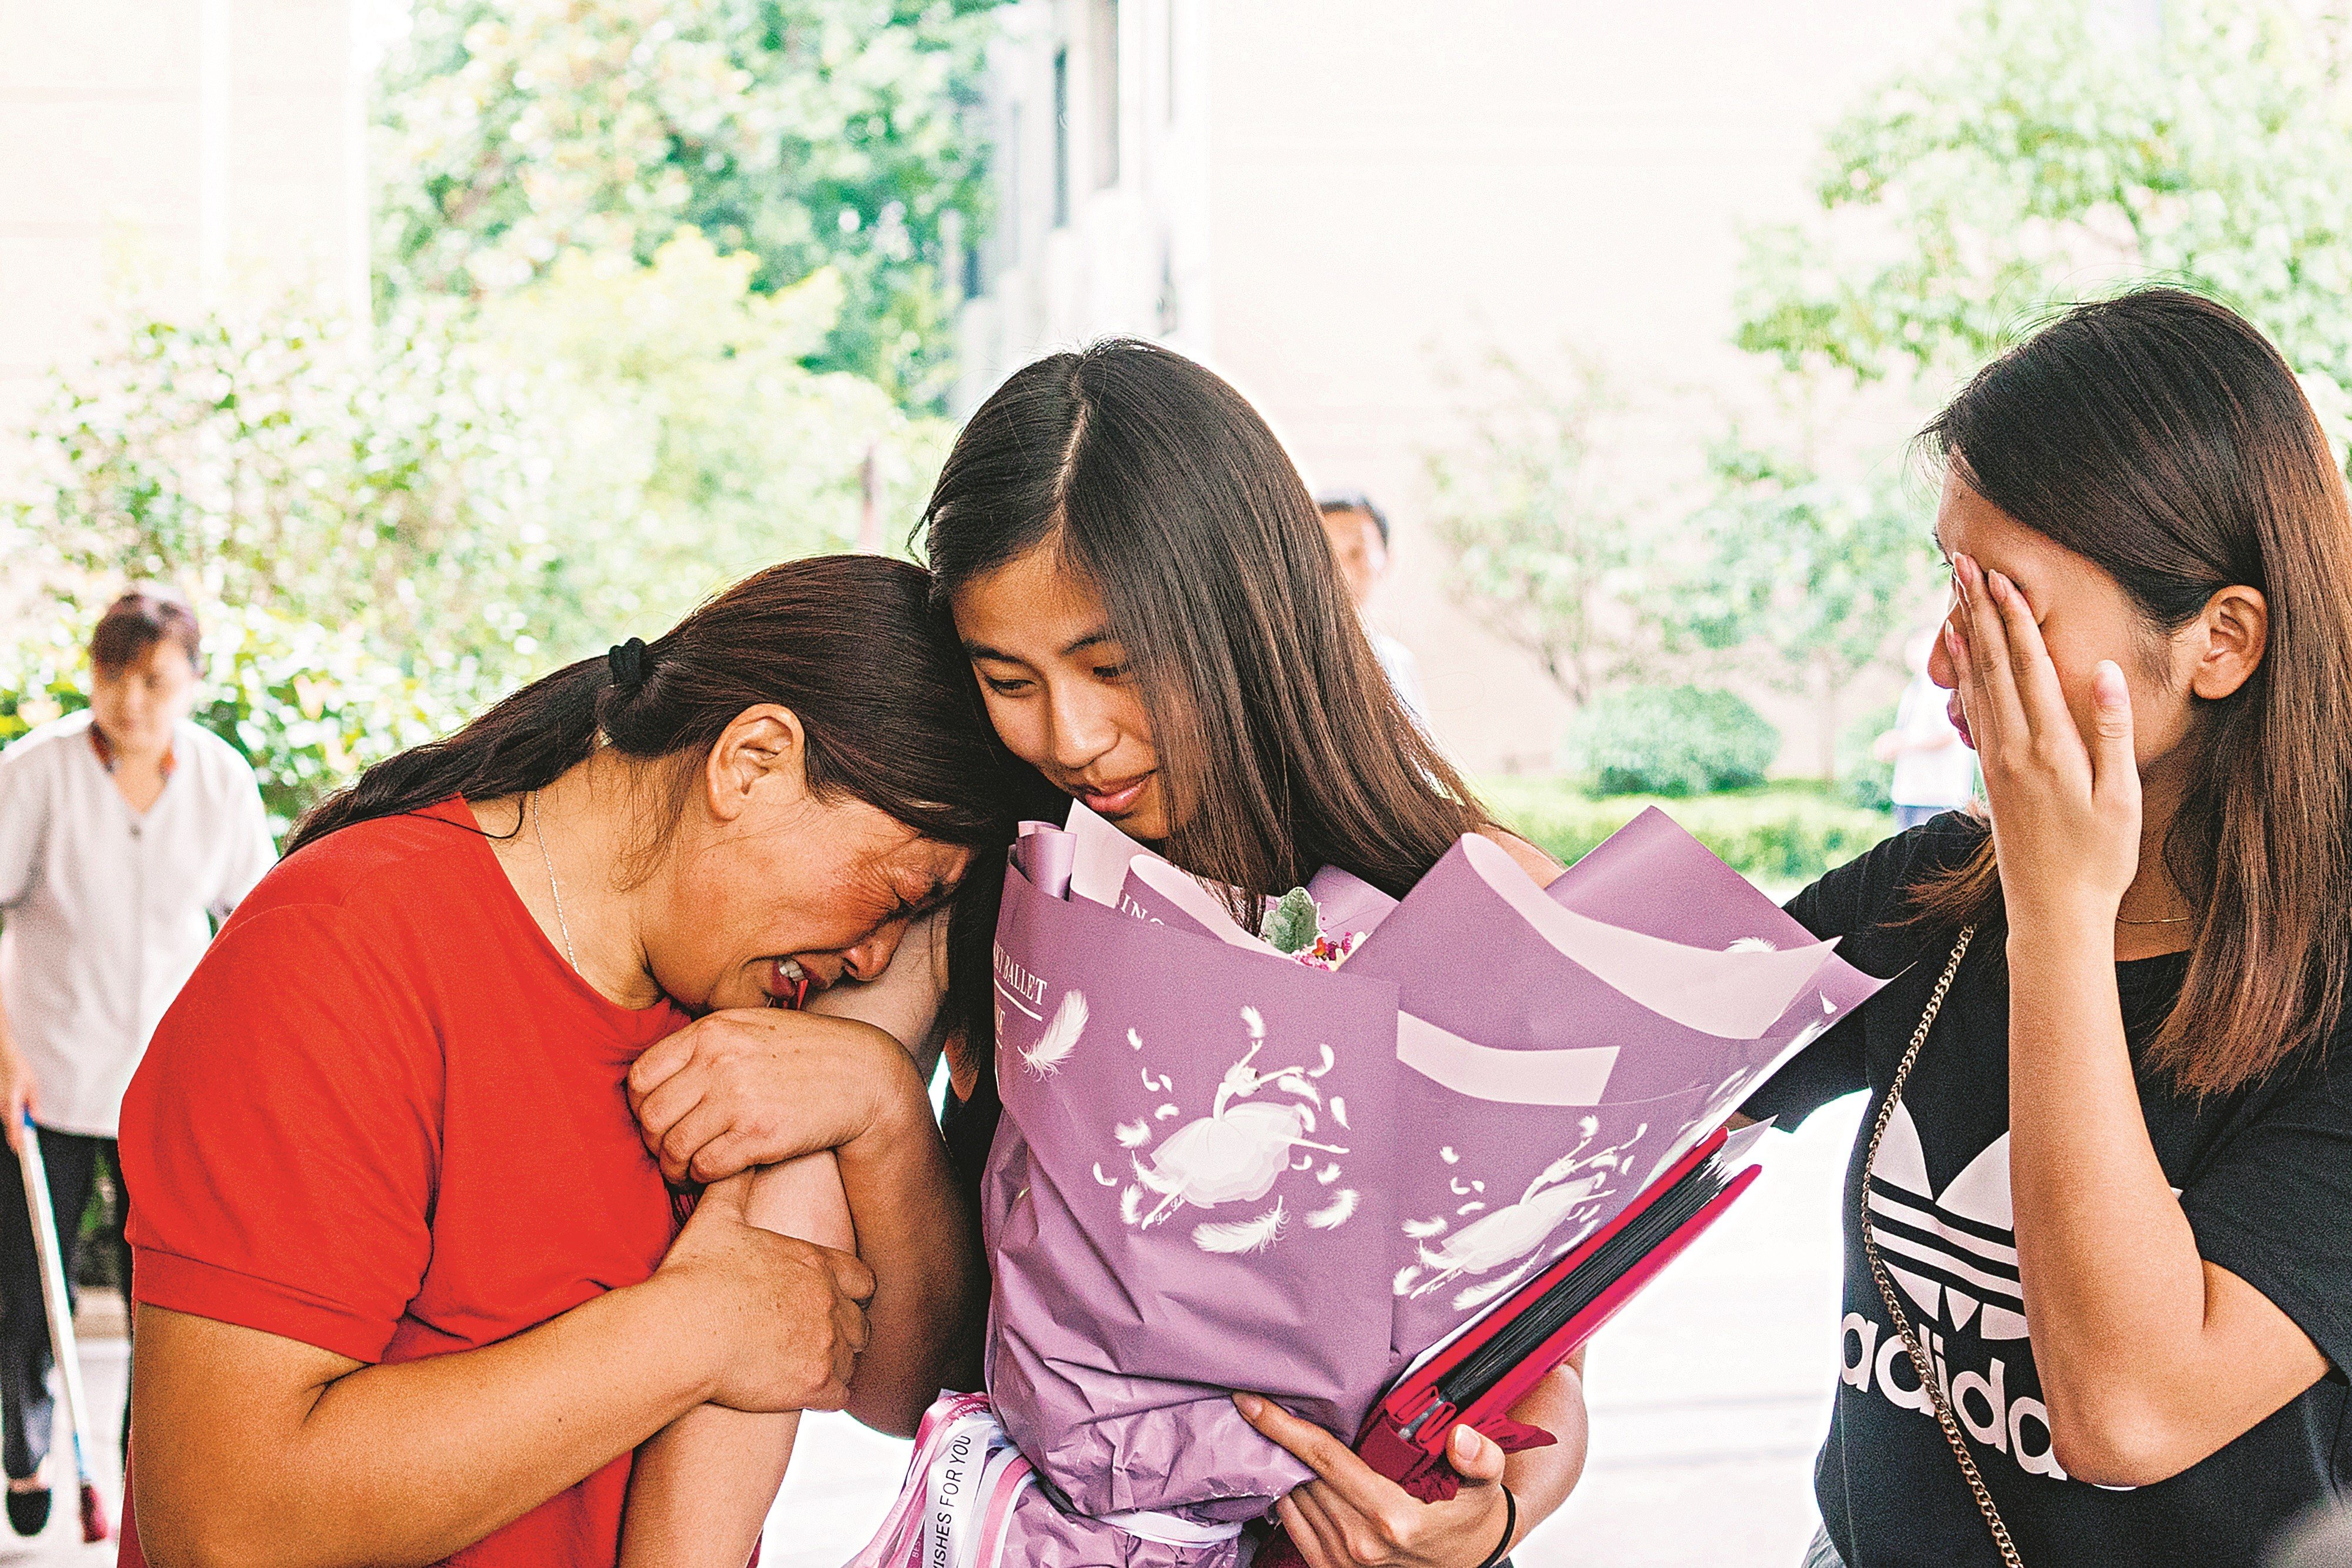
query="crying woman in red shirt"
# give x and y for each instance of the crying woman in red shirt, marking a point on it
(411, 1288)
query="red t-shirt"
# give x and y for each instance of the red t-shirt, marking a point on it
(386, 1118)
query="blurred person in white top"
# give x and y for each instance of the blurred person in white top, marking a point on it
(127, 833)
(1934, 771)
(1359, 532)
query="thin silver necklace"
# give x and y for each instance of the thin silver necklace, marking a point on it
(548, 861)
(2167, 920)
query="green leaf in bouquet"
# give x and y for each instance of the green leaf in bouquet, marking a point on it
(1292, 924)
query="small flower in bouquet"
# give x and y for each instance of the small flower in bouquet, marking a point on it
(1293, 925)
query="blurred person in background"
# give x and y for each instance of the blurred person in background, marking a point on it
(1359, 532)
(127, 832)
(1934, 771)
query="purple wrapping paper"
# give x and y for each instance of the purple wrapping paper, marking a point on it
(1143, 1118)
(1222, 1168)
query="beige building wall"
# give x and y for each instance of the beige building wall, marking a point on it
(1398, 187)
(1361, 197)
(187, 150)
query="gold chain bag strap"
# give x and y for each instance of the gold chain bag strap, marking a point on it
(1921, 1361)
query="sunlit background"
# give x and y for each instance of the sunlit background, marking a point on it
(428, 346)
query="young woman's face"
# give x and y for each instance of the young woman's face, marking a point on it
(136, 707)
(1058, 688)
(2084, 614)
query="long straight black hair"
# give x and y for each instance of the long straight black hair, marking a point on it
(848, 643)
(2160, 436)
(1282, 746)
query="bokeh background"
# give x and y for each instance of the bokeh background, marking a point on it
(428, 344)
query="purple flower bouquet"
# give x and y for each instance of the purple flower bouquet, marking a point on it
(1299, 1160)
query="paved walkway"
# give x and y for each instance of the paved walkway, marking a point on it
(105, 1363)
(1709, 1398)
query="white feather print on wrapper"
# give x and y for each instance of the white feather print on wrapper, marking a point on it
(1335, 1213)
(1242, 1235)
(1060, 1037)
(1566, 1190)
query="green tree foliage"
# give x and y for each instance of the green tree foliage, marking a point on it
(2047, 156)
(1816, 574)
(1784, 835)
(809, 133)
(1541, 549)
(383, 528)
(349, 511)
(688, 443)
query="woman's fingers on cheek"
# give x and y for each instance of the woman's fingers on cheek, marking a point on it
(2027, 658)
(2117, 764)
(1986, 635)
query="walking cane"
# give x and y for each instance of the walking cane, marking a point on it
(94, 1525)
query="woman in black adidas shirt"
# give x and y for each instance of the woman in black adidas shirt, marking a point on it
(2114, 1202)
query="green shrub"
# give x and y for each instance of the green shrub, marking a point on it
(1782, 835)
(1670, 741)
(383, 531)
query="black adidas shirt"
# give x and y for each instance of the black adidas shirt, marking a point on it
(2265, 1175)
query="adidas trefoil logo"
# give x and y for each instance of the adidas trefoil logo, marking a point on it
(1953, 1252)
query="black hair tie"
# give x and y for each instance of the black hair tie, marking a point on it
(628, 663)
(1501, 1556)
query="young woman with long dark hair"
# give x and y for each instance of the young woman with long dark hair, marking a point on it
(2098, 1295)
(1148, 601)
(411, 1287)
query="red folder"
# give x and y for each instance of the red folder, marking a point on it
(1482, 1373)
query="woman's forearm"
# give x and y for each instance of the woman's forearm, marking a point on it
(1541, 1479)
(342, 1463)
(931, 1288)
(2116, 1293)
(253, 1448)
(702, 1485)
